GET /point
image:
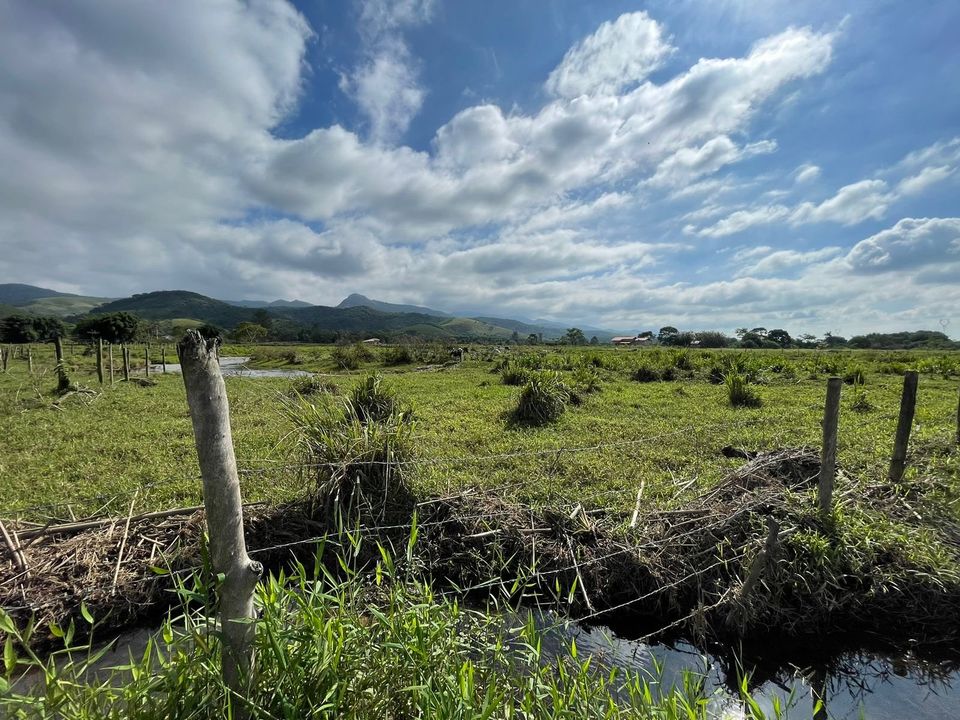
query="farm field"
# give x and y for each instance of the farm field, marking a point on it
(91, 448)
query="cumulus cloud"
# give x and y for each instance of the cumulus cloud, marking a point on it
(618, 54)
(806, 173)
(911, 243)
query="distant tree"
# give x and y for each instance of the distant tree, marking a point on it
(515, 338)
(18, 329)
(751, 340)
(646, 334)
(712, 339)
(263, 318)
(575, 336)
(740, 332)
(831, 340)
(807, 340)
(250, 332)
(780, 337)
(533, 339)
(666, 332)
(594, 340)
(118, 327)
(761, 331)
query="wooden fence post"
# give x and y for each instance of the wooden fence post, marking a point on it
(210, 413)
(146, 360)
(163, 358)
(30, 359)
(100, 360)
(5, 354)
(111, 363)
(828, 455)
(63, 382)
(908, 405)
(125, 351)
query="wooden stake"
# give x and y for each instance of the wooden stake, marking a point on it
(828, 455)
(100, 360)
(126, 361)
(14, 544)
(4, 354)
(111, 363)
(636, 507)
(123, 543)
(30, 359)
(210, 414)
(908, 405)
(163, 357)
(63, 382)
(146, 360)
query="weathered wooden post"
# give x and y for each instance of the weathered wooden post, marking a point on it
(908, 405)
(30, 359)
(100, 360)
(163, 358)
(63, 382)
(828, 454)
(5, 354)
(146, 360)
(111, 363)
(125, 351)
(210, 413)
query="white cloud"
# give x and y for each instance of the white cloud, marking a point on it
(741, 220)
(618, 54)
(854, 203)
(781, 261)
(917, 184)
(806, 173)
(911, 243)
(385, 85)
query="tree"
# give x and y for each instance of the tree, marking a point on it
(118, 327)
(646, 334)
(594, 340)
(515, 338)
(263, 318)
(666, 333)
(249, 332)
(48, 328)
(712, 339)
(740, 332)
(575, 336)
(761, 331)
(18, 329)
(532, 339)
(780, 337)
(831, 340)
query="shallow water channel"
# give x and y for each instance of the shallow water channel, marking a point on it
(855, 683)
(237, 367)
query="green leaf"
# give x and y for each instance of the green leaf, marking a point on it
(86, 613)
(9, 655)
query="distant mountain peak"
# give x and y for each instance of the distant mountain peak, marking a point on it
(358, 300)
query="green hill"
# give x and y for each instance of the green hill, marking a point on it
(64, 305)
(357, 300)
(168, 304)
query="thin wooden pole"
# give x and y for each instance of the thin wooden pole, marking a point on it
(111, 363)
(126, 361)
(30, 359)
(908, 405)
(100, 360)
(5, 354)
(210, 414)
(828, 455)
(63, 382)
(163, 357)
(146, 360)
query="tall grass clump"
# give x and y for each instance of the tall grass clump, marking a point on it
(515, 373)
(740, 392)
(645, 373)
(543, 399)
(351, 357)
(360, 448)
(342, 647)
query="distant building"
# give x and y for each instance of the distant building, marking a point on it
(372, 341)
(631, 340)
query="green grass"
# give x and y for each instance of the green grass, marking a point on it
(662, 433)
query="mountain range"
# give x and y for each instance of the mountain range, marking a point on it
(356, 314)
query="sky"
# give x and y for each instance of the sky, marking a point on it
(707, 164)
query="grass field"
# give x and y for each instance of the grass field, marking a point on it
(91, 447)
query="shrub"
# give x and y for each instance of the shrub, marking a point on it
(680, 359)
(668, 374)
(351, 357)
(543, 399)
(514, 374)
(586, 379)
(717, 375)
(859, 400)
(740, 393)
(645, 373)
(292, 357)
(400, 355)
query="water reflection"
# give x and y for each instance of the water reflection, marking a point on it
(836, 680)
(237, 367)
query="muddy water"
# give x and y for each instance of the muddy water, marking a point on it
(237, 367)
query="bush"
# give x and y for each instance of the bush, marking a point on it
(514, 374)
(400, 355)
(717, 375)
(543, 399)
(372, 400)
(668, 374)
(740, 393)
(586, 379)
(680, 359)
(351, 357)
(645, 373)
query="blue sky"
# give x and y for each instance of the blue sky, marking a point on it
(622, 164)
